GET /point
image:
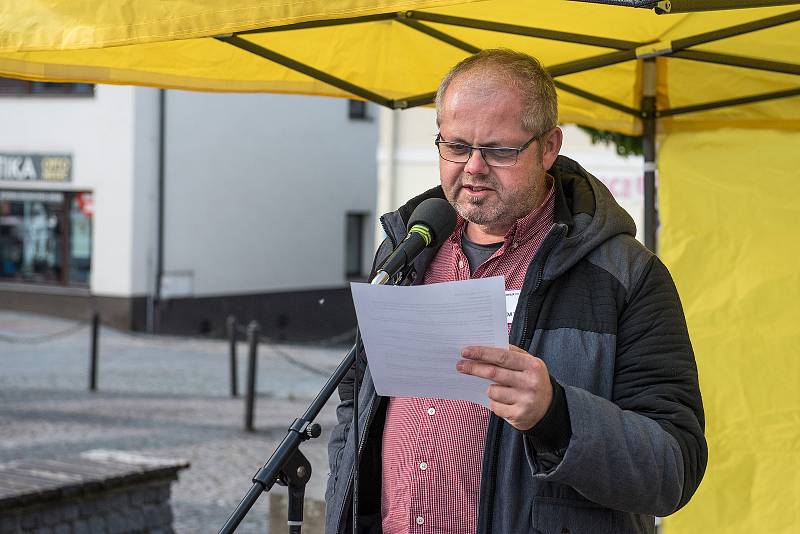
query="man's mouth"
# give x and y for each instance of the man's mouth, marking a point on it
(476, 188)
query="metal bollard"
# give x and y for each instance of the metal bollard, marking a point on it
(253, 331)
(93, 355)
(231, 325)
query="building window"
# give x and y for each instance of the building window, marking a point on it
(45, 237)
(357, 110)
(14, 87)
(354, 245)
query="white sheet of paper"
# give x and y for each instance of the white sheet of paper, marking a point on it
(413, 335)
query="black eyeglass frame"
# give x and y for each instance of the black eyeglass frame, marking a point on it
(519, 150)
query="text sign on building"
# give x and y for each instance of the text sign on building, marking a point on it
(35, 167)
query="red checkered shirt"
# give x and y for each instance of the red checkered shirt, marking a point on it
(433, 448)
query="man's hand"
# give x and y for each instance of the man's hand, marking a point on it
(521, 393)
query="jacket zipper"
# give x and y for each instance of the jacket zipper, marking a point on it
(496, 429)
(361, 442)
(495, 426)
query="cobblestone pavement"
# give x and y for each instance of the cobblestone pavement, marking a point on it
(158, 396)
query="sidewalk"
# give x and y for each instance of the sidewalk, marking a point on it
(166, 397)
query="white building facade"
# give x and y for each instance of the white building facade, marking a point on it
(168, 211)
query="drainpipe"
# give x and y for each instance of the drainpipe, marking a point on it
(155, 299)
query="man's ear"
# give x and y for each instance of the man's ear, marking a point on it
(551, 145)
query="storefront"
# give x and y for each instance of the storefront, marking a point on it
(45, 230)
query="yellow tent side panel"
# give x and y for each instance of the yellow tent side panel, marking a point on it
(729, 203)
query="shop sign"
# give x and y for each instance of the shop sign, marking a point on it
(35, 167)
(48, 197)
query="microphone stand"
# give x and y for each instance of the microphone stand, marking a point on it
(288, 466)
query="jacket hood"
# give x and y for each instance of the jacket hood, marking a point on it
(588, 210)
(585, 212)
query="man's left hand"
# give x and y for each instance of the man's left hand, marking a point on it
(521, 392)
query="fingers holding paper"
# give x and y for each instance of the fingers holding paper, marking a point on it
(521, 391)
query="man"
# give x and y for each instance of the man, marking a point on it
(595, 422)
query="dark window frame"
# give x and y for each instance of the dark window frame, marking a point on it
(358, 110)
(355, 223)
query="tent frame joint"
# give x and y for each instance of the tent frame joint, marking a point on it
(661, 48)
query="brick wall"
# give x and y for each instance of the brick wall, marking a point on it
(110, 493)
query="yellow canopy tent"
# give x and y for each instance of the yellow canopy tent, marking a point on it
(394, 52)
(721, 87)
(608, 61)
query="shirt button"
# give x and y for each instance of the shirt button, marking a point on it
(420, 520)
(431, 410)
(460, 264)
(514, 245)
(423, 466)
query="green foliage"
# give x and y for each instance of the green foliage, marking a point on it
(627, 145)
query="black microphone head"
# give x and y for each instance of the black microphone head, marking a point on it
(436, 214)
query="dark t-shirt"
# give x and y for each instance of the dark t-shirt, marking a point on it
(477, 254)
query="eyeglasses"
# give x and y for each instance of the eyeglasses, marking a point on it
(495, 156)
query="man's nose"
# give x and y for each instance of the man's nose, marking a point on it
(476, 164)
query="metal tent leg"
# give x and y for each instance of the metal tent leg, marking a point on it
(649, 150)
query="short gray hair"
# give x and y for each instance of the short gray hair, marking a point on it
(525, 73)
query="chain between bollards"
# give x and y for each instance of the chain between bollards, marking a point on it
(253, 332)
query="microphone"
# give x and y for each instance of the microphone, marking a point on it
(430, 224)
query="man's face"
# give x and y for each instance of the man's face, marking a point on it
(488, 113)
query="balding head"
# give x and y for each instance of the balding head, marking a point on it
(489, 69)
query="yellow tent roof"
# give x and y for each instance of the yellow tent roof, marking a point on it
(394, 52)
